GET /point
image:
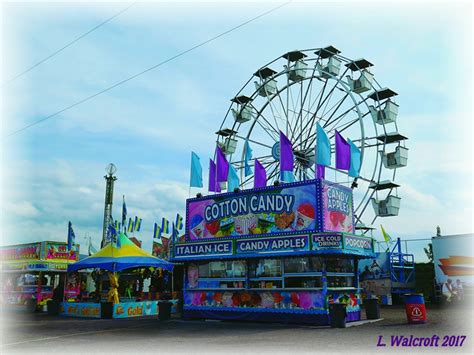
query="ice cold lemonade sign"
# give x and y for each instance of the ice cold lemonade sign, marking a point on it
(337, 208)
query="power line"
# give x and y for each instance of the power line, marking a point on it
(68, 45)
(147, 70)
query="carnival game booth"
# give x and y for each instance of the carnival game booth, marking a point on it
(280, 253)
(114, 258)
(31, 271)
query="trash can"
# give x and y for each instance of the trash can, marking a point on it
(415, 308)
(31, 305)
(106, 310)
(164, 310)
(53, 307)
(337, 315)
(372, 308)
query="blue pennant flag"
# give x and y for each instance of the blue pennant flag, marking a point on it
(71, 237)
(323, 147)
(355, 160)
(233, 181)
(248, 157)
(179, 222)
(165, 225)
(196, 171)
(111, 235)
(287, 176)
(124, 212)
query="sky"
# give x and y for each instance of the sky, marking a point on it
(53, 172)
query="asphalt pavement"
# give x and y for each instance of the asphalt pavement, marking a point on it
(43, 334)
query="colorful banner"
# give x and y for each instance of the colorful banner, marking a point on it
(243, 300)
(362, 244)
(203, 249)
(88, 310)
(58, 251)
(161, 250)
(453, 259)
(276, 209)
(337, 207)
(329, 241)
(273, 245)
(377, 268)
(21, 252)
(135, 309)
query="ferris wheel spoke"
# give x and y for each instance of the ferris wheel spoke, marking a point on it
(268, 128)
(307, 91)
(253, 141)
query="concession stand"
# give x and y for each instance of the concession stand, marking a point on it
(282, 253)
(115, 257)
(31, 271)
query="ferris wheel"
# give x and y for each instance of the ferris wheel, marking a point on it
(302, 87)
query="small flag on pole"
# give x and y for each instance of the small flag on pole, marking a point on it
(323, 147)
(386, 236)
(343, 153)
(222, 165)
(196, 171)
(137, 224)
(157, 231)
(124, 213)
(111, 234)
(130, 225)
(165, 225)
(355, 160)
(286, 158)
(233, 181)
(179, 222)
(260, 176)
(71, 237)
(248, 156)
(214, 186)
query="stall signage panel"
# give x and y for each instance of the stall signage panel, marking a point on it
(272, 245)
(330, 241)
(357, 243)
(88, 310)
(276, 209)
(337, 208)
(200, 249)
(135, 309)
(58, 252)
(20, 252)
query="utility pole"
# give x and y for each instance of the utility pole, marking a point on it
(109, 197)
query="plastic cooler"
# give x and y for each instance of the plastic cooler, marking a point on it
(415, 308)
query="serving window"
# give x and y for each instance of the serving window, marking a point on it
(216, 274)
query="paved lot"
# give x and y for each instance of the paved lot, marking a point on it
(40, 334)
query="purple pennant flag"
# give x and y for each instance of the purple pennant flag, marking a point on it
(222, 166)
(286, 153)
(260, 175)
(321, 172)
(214, 186)
(343, 153)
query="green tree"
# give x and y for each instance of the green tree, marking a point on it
(429, 252)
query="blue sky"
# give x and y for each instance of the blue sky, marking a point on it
(53, 172)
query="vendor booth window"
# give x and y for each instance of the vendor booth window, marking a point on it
(302, 265)
(265, 268)
(340, 281)
(304, 282)
(265, 273)
(339, 265)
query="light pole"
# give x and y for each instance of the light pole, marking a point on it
(109, 197)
